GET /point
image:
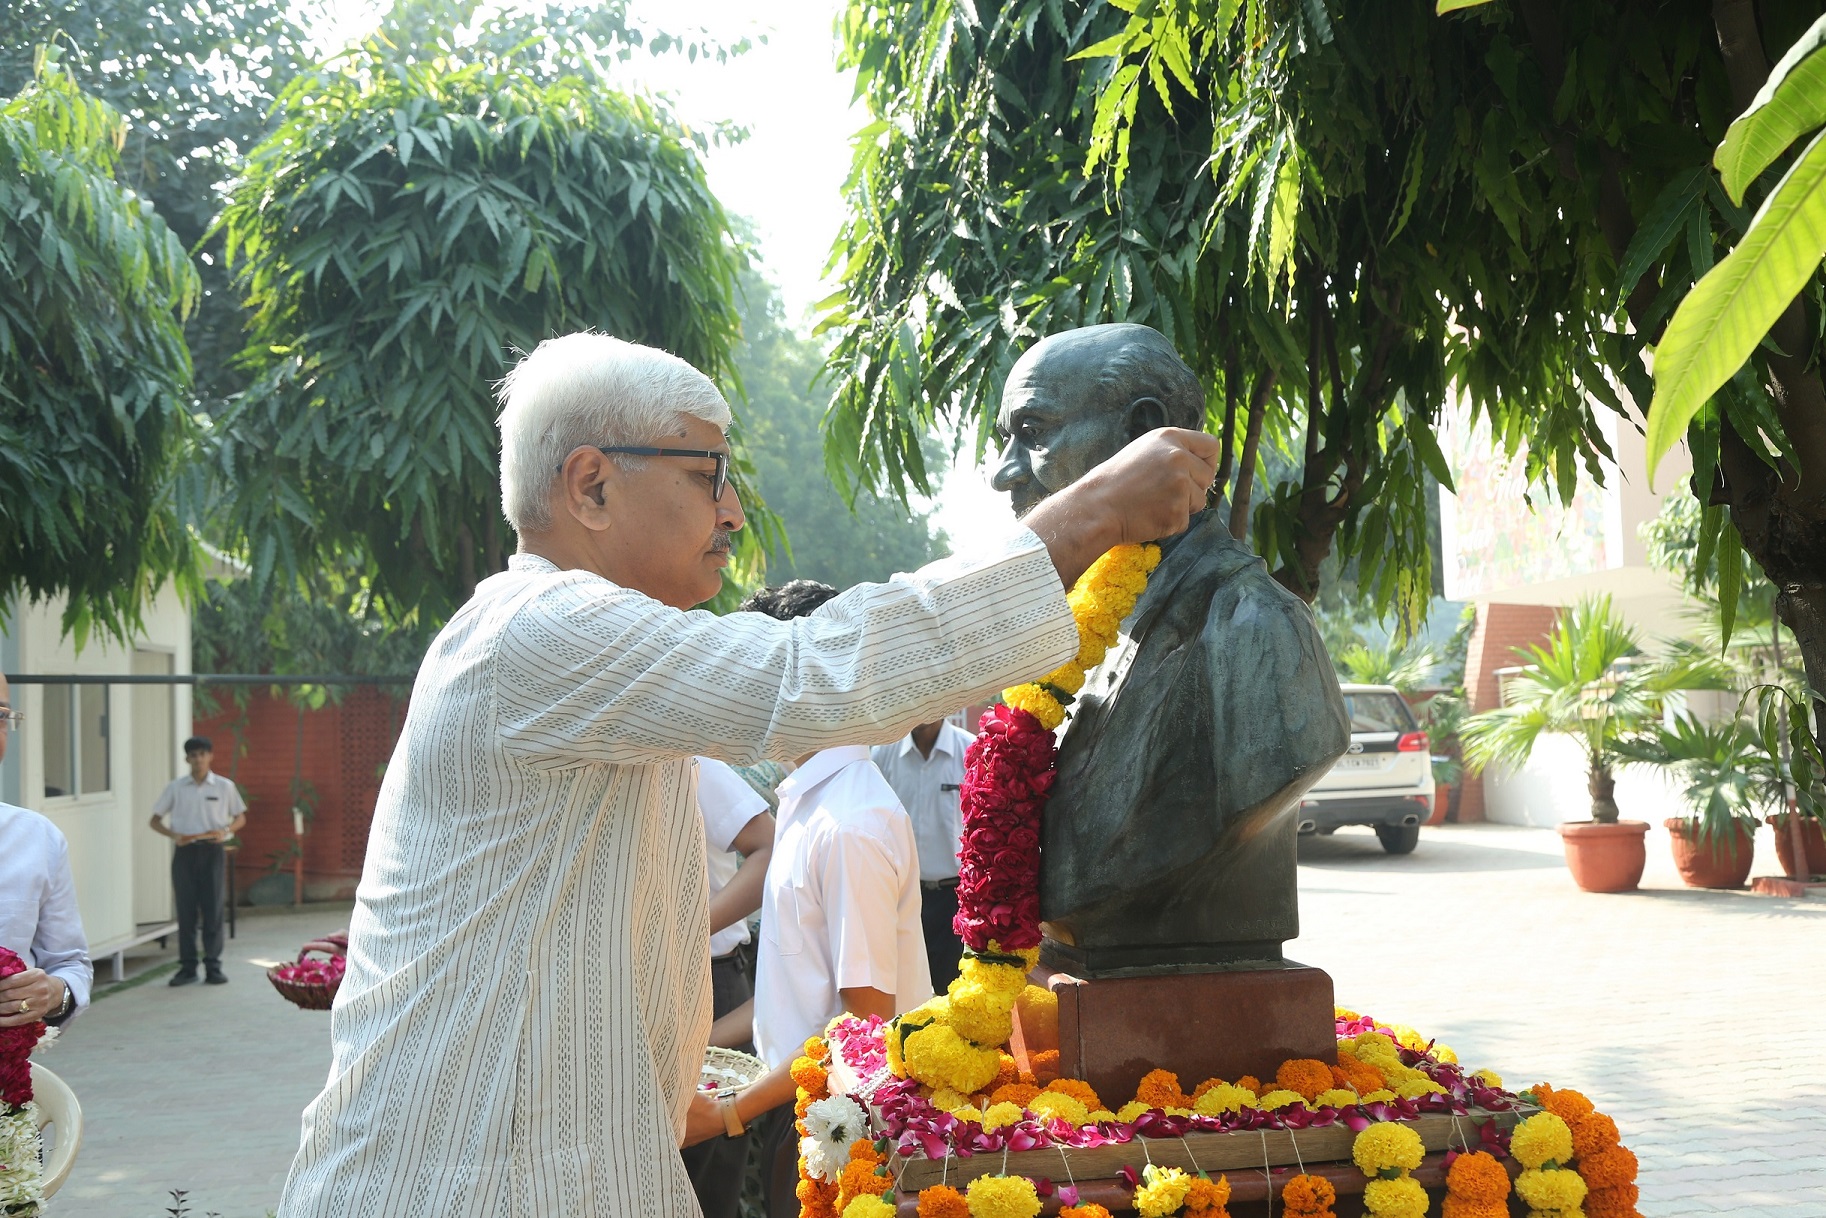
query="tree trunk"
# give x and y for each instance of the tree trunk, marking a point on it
(1245, 466)
(1603, 788)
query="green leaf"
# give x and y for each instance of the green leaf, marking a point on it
(1727, 313)
(1452, 6)
(1658, 228)
(1427, 446)
(1730, 577)
(1791, 103)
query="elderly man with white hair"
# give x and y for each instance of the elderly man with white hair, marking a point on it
(527, 999)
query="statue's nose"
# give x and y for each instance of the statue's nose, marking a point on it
(1011, 468)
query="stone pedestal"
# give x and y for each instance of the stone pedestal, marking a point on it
(1113, 1030)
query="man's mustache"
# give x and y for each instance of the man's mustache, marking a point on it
(719, 542)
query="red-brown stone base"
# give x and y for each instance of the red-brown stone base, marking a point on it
(1113, 1030)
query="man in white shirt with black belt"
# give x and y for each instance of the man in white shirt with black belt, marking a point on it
(926, 770)
(199, 812)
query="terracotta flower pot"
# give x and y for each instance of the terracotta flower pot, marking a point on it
(1811, 833)
(1442, 799)
(1605, 857)
(1717, 861)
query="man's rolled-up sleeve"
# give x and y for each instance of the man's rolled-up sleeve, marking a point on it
(59, 947)
(591, 672)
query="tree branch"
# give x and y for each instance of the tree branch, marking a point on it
(1232, 374)
(1245, 470)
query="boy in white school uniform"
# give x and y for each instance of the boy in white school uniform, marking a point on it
(840, 928)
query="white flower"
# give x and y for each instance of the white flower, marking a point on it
(831, 1125)
(21, 1181)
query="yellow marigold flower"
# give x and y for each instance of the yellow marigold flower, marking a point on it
(1335, 1097)
(1099, 1115)
(1163, 1190)
(1400, 1198)
(1408, 1038)
(1003, 1197)
(1078, 1089)
(1224, 1098)
(1130, 1111)
(1380, 1095)
(938, 1057)
(947, 1100)
(1280, 1097)
(1551, 1190)
(1069, 677)
(1345, 1013)
(1541, 1139)
(969, 1112)
(1385, 1145)
(1058, 1105)
(1367, 1041)
(980, 1014)
(1445, 1054)
(1177, 1111)
(868, 1205)
(1036, 702)
(1414, 1088)
(1005, 981)
(1490, 1078)
(1002, 1114)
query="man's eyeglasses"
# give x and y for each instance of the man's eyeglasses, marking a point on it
(10, 719)
(719, 480)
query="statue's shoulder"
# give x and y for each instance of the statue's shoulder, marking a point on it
(1241, 588)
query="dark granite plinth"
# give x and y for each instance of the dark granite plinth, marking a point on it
(1113, 1030)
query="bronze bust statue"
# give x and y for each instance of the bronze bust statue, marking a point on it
(1168, 843)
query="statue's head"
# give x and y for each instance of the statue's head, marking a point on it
(1075, 399)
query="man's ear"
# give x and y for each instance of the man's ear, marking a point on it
(581, 488)
(1145, 415)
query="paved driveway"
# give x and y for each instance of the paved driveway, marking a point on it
(1692, 1018)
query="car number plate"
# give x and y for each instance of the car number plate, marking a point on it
(1359, 762)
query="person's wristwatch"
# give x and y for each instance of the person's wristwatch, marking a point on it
(732, 1120)
(63, 1008)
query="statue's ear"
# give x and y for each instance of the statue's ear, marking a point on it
(1145, 415)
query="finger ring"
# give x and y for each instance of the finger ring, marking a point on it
(25, 1007)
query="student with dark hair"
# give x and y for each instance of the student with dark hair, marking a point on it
(199, 812)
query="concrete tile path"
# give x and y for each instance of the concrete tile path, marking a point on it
(1690, 1017)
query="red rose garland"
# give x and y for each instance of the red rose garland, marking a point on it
(16, 1044)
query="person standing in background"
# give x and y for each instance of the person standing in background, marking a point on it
(199, 812)
(39, 920)
(738, 841)
(926, 770)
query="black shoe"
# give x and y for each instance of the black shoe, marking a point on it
(184, 976)
(217, 977)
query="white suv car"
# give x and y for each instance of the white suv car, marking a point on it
(1384, 781)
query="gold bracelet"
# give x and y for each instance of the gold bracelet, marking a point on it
(732, 1120)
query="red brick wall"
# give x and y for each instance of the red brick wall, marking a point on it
(1500, 629)
(346, 748)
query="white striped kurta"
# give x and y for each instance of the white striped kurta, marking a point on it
(528, 998)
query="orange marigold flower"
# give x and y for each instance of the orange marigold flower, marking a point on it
(942, 1201)
(1458, 1207)
(810, 1076)
(1007, 1073)
(1308, 1197)
(1160, 1089)
(1610, 1168)
(1078, 1089)
(1014, 1093)
(1045, 1067)
(1084, 1211)
(1205, 1086)
(858, 1178)
(1207, 1196)
(817, 1049)
(1250, 1082)
(1306, 1075)
(1568, 1105)
(1477, 1178)
(800, 1105)
(1592, 1134)
(1618, 1202)
(817, 1199)
(863, 1150)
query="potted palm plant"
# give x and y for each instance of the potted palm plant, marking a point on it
(1590, 682)
(1442, 715)
(1720, 764)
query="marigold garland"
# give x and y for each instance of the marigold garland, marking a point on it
(1208, 1196)
(1306, 1075)
(1307, 1196)
(1002, 1197)
(1163, 1190)
(1084, 1211)
(868, 1206)
(942, 1201)
(1386, 1152)
(1476, 1187)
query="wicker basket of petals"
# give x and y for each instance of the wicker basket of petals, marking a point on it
(311, 984)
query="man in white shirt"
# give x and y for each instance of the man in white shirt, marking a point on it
(926, 770)
(523, 1019)
(738, 842)
(39, 920)
(199, 812)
